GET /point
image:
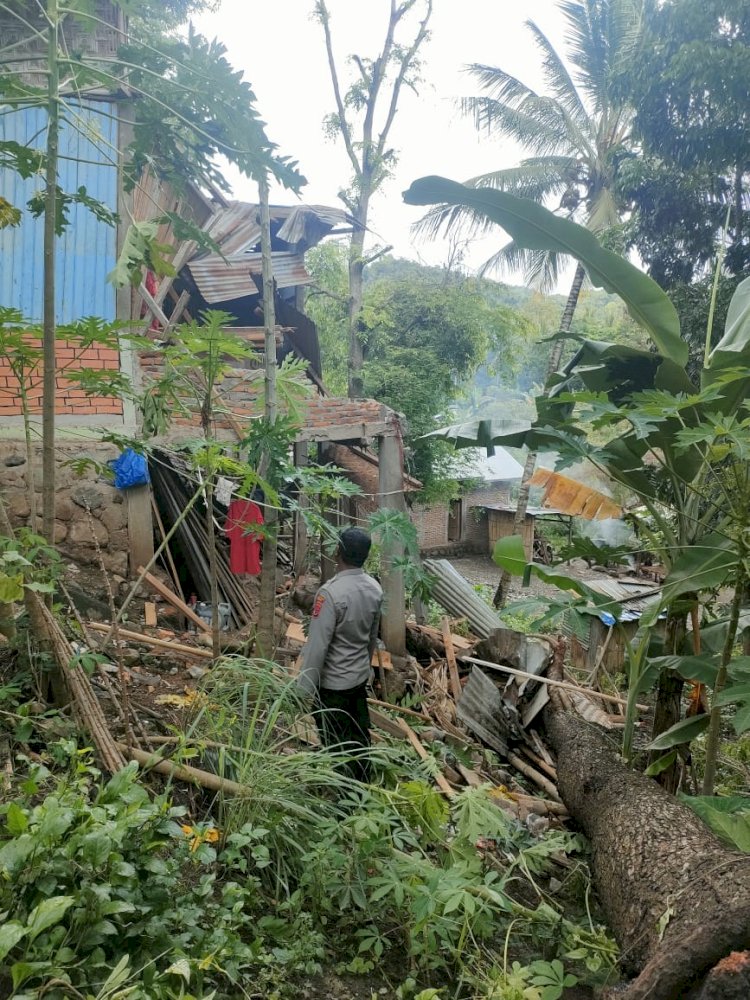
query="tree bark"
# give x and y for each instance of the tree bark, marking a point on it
(676, 898)
(566, 320)
(668, 705)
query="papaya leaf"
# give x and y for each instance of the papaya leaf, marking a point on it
(533, 227)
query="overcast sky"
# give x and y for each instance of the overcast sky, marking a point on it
(281, 50)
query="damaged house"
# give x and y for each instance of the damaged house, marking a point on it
(97, 524)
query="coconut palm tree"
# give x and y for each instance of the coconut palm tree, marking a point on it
(577, 132)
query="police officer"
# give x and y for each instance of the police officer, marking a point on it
(340, 645)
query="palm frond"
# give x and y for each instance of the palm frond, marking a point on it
(499, 84)
(540, 268)
(603, 212)
(543, 133)
(559, 79)
(538, 179)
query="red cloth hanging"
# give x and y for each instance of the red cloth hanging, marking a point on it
(244, 545)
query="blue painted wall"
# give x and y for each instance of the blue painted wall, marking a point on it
(86, 251)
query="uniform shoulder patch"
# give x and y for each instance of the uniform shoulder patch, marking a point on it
(320, 600)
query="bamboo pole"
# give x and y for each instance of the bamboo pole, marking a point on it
(566, 685)
(183, 772)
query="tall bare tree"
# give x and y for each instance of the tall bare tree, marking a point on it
(378, 84)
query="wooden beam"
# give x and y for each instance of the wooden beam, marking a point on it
(391, 496)
(174, 600)
(178, 648)
(343, 432)
(140, 527)
(450, 655)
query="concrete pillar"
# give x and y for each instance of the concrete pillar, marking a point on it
(391, 496)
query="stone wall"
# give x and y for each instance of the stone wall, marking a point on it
(75, 533)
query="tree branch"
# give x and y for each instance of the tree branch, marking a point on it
(398, 82)
(344, 128)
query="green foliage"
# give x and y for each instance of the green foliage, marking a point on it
(535, 227)
(687, 81)
(27, 562)
(413, 322)
(99, 877)
(728, 816)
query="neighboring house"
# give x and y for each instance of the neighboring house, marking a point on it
(595, 642)
(462, 523)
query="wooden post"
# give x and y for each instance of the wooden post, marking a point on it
(327, 564)
(140, 527)
(301, 449)
(391, 496)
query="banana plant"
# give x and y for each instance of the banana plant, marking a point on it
(678, 448)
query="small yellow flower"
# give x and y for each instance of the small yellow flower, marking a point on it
(198, 837)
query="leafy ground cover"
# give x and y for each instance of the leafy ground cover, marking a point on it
(124, 887)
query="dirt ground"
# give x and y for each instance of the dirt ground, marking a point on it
(481, 570)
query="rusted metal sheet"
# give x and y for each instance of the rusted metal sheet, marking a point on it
(220, 280)
(308, 224)
(634, 595)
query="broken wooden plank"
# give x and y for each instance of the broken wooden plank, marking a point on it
(179, 649)
(174, 600)
(450, 655)
(412, 737)
(149, 614)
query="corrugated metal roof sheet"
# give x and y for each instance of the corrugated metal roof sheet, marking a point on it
(499, 467)
(220, 280)
(633, 594)
(85, 253)
(507, 508)
(456, 595)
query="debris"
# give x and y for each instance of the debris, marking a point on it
(612, 699)
(174, 600)
(149, 614)
(177, 648)
(450, 654)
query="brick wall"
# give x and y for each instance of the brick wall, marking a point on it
(474, 534)
(431, 522)
(69, 400)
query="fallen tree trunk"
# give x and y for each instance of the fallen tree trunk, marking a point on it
(676, 898)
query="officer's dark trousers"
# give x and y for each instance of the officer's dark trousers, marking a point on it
(344, 724)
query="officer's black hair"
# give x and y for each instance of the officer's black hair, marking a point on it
(354, 546)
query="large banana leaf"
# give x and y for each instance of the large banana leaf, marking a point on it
(533, 227)
(733, 350)
(734, 347)
(703, 566)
